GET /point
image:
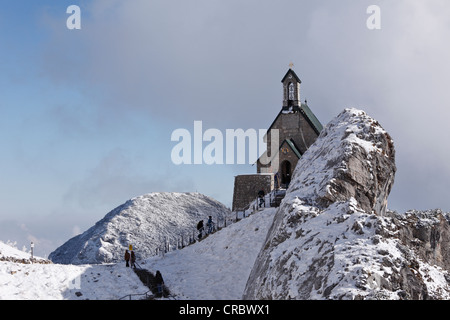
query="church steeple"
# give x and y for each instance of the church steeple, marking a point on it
(291, 91)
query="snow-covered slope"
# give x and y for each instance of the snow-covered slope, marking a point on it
(217, 267)
(57, 282)
(8, 251)
(37, 281)
(144, 222)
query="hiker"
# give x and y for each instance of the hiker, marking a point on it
(127, 257)
(200, 229)
(210, 224)
(159, 282)
(277, 181)
(133, 259)
(261, 198)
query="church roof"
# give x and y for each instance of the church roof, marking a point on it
(291, 144)
(290, 71)
(312, 118)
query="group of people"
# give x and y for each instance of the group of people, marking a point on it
(131, 257)
(201, 228)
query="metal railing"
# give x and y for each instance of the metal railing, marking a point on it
(147, 295)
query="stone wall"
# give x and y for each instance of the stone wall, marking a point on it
(246, 188)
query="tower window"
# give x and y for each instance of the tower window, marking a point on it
(291, 91)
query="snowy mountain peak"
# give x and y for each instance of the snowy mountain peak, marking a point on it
(145, 222)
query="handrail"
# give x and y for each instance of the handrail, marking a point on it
(138, 294)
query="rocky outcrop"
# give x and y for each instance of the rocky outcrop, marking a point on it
(332, 237)
(354, 157)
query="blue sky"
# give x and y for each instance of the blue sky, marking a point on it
(86, 115)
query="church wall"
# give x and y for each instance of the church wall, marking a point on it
(291, 157)
(291, 126)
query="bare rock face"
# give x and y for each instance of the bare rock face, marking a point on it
(423, 239)
(332, 237)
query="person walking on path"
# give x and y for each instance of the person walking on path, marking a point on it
(133, 259)
(262, 200)
(200, 229)
(210, 225)
(127, 258)
(159, 282)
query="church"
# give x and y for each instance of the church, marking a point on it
(294, 129)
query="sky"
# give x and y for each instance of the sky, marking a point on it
(86, 115)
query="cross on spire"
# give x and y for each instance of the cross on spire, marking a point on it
(291, 65)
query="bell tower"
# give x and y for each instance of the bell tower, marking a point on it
(291, 91)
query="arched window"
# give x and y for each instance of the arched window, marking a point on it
(291, 91)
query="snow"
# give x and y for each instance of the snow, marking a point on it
(56, 282)
(36, 281)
